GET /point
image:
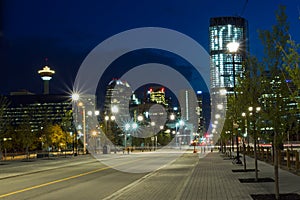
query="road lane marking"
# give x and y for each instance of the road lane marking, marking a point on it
(65, 179)
(53, 182)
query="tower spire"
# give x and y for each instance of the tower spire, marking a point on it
(46, 74)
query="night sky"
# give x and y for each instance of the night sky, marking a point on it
(66, 31)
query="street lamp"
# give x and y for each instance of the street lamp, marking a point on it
(94, 135)
(140, 118)
(84, 126)
(76, 97)
(257, 110)
(172, 117)
(233, 48)
(181, 124)
(129, 127)
(245, 135)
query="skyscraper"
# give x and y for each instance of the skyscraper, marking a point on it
(157, 95)
(226, 63)
(117, 99)
(226, 66)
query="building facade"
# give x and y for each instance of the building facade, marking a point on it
(226, 66)
(38, 109)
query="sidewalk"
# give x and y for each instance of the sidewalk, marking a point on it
(213, 178)
(210, 177)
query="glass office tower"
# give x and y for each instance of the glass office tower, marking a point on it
(225, 66)
(224, 30)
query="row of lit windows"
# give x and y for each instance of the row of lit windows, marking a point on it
(220, 36)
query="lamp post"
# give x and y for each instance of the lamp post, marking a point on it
(233, 48)
(153, 138)
(245, 135)
(84, 126)
(176, 129)
(181, 124)
(257, 109)
(94, 135)
(76, 97)
(129, 127)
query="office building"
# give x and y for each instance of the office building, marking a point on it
(226, 66)
(38, 109)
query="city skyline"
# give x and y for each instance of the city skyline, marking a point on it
(66, 47)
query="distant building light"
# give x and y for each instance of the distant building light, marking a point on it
(46, 78)
(199, 92)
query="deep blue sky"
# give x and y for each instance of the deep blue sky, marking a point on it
(66, 31)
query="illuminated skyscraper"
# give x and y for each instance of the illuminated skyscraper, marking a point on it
(157, 95)
(226, 63)
(117, 99)
(226, 66)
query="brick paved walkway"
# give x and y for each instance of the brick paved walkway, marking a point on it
(209, 178)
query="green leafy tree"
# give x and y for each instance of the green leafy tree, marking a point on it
(46, 136)
(58, 137)
(275, 89)
(291, 60)
(68, 128)
(249, 91)
(25, 136)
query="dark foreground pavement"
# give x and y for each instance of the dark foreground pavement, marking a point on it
(191, 176)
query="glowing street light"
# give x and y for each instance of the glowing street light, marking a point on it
(223, 92)
(114, 109)
(220, 106)
(233, 47)
(172, 117)
(76, 97)
(134, 125)
(140, 118)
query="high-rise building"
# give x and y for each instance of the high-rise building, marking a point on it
(189, 114)
(117, 99)
(226, 66)
(157, 95)
(228, 42)
(199, 112)
(38, 109)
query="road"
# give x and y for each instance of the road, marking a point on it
(84, 177)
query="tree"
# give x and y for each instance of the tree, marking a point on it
(68, 128)
(25, 136)
(4, 103)
(249, 91)
(59, 138)
(275, 89)
(45, 136)
(291, 60)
